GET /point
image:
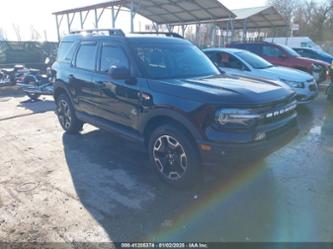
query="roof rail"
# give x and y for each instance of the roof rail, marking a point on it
(111, 32)
(169, 34)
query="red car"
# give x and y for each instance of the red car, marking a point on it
(284, 56)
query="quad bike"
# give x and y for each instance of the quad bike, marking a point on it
(36, 83)
(11, 76)
(5, 79)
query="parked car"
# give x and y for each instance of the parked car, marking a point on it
(315, 54)
(295, 41)
(166, 95)
(281, 55)
(236, 62)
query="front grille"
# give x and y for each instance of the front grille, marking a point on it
(278, 118)
(313, 88)
(278, 111)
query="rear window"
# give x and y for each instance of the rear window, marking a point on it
(66, 51)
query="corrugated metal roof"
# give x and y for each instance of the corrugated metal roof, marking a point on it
(168, 11)
(259, 17)
(247, 12)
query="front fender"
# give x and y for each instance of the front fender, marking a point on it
(182, 118)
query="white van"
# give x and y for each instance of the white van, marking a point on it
(294, 42)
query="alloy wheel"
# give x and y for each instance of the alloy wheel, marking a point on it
(64, 114)
(170, 157)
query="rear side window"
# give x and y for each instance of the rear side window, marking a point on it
(86, 56)
(66, 51)
(113, 57)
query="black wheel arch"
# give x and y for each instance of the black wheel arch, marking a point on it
(60, 88)
(161, 117)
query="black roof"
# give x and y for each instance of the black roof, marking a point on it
(137, 38)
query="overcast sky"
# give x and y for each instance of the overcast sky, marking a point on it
(37, 13)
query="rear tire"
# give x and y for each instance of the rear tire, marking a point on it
(33, 96)
(66, 115)
(174, 156)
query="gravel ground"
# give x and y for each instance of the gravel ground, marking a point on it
(96, 187)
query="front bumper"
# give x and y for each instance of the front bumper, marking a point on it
(221, 152)
(307, 94)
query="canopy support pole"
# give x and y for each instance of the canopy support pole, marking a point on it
(58, 22)
(245, 30)
(231, 20)
(132, 14)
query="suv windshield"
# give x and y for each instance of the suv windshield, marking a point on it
(254, 60)
(172, 61)
(290, 51)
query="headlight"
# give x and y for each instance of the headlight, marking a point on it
(238, 117)
(316, 68)
(294, 84)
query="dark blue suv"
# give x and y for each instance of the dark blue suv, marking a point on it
(166, 95)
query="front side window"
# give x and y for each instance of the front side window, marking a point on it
(254, 60)
(271, 51)
(86, 57)
(171, 61)
(229, 61)
(113, 57)
(290, 51)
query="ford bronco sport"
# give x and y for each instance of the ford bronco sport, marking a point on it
(165, 94)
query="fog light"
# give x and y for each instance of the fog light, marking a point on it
(206, 147)
(260, 136)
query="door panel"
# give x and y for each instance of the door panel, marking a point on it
(119, 100)
(82, 81)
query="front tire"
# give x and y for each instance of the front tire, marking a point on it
(66, 115)
(175, 157)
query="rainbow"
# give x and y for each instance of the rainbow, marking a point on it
(220, 193)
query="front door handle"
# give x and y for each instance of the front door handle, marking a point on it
(101, 84)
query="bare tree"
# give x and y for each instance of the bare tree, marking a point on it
(17, 31)
(3, 35)
(34, 34)
(286, 8)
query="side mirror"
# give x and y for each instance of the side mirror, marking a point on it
(243, 68)
(120, 73)
(221, 70)
(47, 60)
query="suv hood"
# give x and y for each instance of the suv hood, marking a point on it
(229, 91)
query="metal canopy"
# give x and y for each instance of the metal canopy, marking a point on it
(180, 12)
(258, 18)
(169, 12)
